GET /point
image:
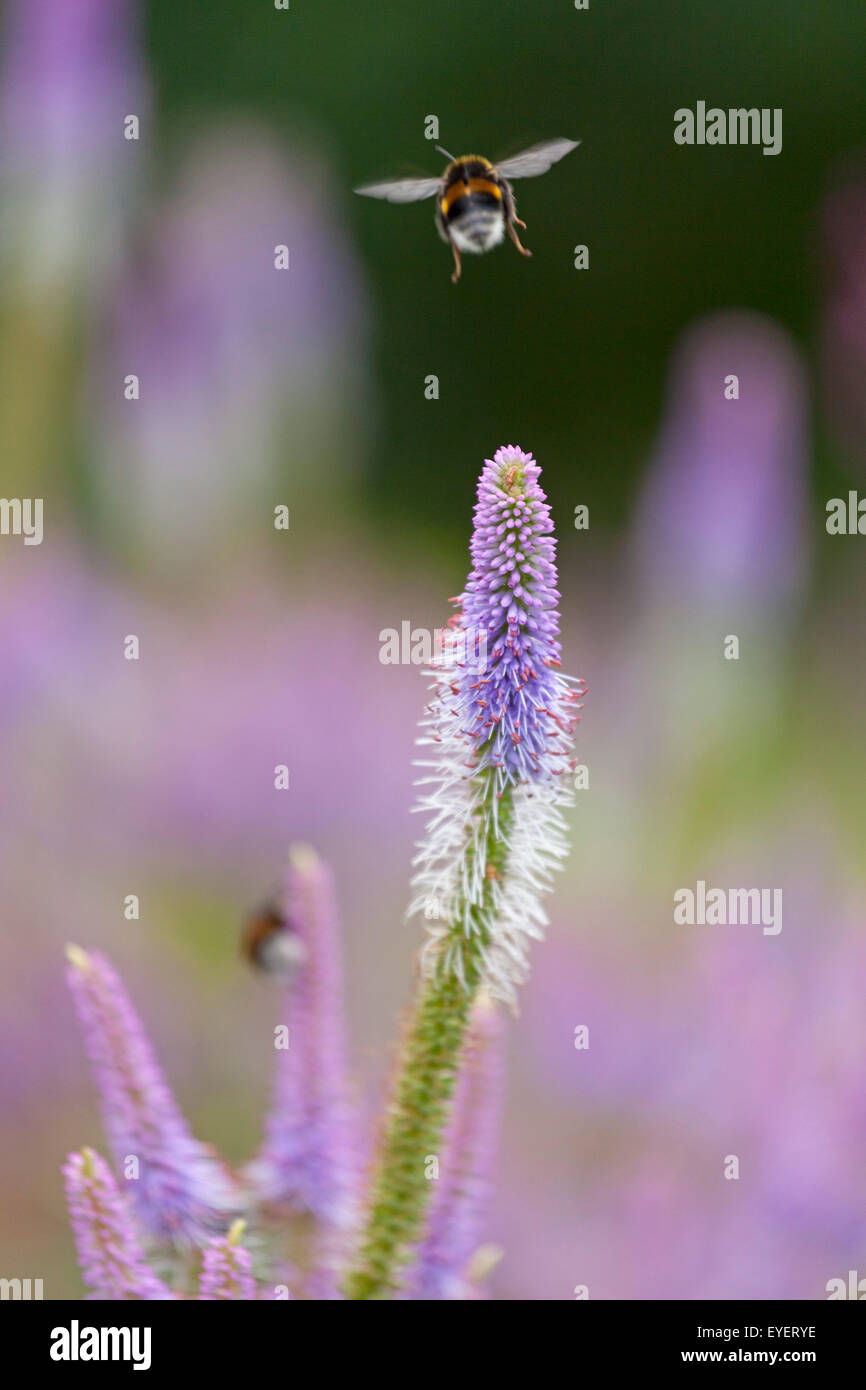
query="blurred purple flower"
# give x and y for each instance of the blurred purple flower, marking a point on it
(309, 1159)
(227, 1268)
(844, 317)
(182, 1192)
(111, 1257)
(723, 514)
(460, 1196)
(248, 372)
(69, 77)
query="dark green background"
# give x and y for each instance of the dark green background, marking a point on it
(568, 363)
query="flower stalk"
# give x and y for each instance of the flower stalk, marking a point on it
(451, 1261)
(415, 1123)
(501, 738)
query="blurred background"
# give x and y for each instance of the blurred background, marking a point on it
(306, 388)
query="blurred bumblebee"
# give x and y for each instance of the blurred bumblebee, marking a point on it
(475, 204)
(269, 943)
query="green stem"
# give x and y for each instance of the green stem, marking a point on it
(417, 1118)
(419, 1109)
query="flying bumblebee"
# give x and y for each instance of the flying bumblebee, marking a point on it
(475, 203)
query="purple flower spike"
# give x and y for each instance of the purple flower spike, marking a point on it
(69, 78)
(227, 1268)
(309, 1159)
(500, 723)
(112, 1260)
(518, 711)
(446, 1268)
(723, 515)
(228, 347)
(182, 1192)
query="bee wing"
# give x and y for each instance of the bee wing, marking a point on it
(537, 159)
(400, 190)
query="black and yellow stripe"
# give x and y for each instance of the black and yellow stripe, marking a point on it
(462, 187)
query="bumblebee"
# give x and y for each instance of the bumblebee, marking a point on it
(475, 205)
(269, 942)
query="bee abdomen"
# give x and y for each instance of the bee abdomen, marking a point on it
(476, 222)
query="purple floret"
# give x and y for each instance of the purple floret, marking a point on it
(518, 711)
(110, 1254)
(181, 1191)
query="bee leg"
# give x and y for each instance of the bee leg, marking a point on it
(516, 239)
(516, 220)
(457, 267)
